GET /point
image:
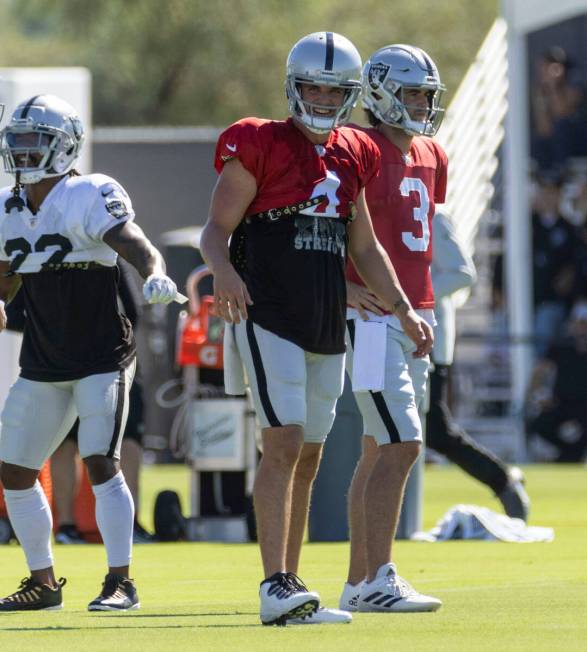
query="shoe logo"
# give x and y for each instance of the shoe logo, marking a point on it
(105, 194)
(232, 148)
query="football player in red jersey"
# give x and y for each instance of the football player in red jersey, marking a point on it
(290, 193)
(402, 91)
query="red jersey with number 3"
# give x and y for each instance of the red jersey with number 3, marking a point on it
(295, 266)
(401, 200)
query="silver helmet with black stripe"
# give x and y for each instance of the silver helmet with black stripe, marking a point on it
(387, 75)
(323, 59)
(43, 139)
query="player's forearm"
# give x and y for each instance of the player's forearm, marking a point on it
(376, 269)
(214, 247)
(146, 259)
(129, 241)
(9, 286)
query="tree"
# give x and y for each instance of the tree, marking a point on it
(200, 62)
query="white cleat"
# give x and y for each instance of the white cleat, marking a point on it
(389, 593)
(322, 616)
(284, 596)
(349, 599)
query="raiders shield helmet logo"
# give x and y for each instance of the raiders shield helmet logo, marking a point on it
(377, 73)
(117, 208)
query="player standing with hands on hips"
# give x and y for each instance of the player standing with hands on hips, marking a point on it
(60, 235)
(290, 193)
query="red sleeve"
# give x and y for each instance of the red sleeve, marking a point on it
(441, 175)
(242, 141)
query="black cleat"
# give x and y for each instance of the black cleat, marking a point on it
(69, 534)
(118, 594)
(34, 596)
(140, 535)
(514, 498)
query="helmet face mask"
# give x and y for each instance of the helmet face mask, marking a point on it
(42, 140)
(323, 59)
(388, 77)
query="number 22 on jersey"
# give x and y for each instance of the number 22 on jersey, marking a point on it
(419, 213)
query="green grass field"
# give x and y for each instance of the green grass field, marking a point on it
(204, 596)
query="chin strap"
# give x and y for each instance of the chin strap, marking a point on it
(16, 201)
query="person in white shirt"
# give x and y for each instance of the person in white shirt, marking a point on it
(453, 270)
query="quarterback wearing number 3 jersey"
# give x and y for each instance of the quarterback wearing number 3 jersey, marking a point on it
(290, 196)
(401, 91)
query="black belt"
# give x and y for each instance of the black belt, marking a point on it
(274, 214)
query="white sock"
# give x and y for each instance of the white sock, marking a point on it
(115, 513)
(32, 522)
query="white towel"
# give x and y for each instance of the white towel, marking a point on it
(369, 356)
(234, 375)
(474, 522)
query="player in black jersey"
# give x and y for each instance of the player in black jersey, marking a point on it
(60, 235)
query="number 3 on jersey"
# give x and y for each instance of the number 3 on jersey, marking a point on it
(420, 213)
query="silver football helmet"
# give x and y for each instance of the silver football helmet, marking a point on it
(43, 139)
(386, 76)
(323, 59)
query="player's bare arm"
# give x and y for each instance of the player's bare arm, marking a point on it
(234, 191)
(376, 269)
(130, 242)
(9, 286)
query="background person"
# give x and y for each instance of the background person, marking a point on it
(65, 471)
(453, 270)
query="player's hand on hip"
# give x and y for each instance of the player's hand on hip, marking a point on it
(3, 317)
(419, 331)
(362, 299)
(159, 288)
(231, 296)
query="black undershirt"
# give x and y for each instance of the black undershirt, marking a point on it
(295, 273)
(73, 327)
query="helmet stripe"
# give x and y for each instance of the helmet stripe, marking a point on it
(329, 51)
(429, 63)
(28, 107)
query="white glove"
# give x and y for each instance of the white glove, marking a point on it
(159, 289)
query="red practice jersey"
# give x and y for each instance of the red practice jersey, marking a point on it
(289, 168)
(295, 266)
(401, 201)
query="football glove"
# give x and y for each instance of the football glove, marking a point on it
(159, 289)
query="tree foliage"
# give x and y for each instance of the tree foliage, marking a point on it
(205, 62)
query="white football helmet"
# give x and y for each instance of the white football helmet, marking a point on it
(386, 75)
(43, 139)
(323, 59)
